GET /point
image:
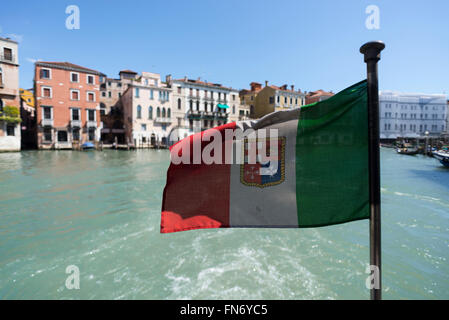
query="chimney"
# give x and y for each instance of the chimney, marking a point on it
(284, 87)
(185, 78)
(266, 83)
(293, 87)
(199, 78)
(168, 79)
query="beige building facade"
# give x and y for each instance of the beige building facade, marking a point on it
(264, 100)
(147, 111)
(9, 96)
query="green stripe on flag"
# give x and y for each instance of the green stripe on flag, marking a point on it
(332, 159)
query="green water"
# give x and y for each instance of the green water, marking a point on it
(100, 211)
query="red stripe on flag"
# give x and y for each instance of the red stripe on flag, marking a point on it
(196, 196)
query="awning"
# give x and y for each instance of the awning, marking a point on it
(222, 106)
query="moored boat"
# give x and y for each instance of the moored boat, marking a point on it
(88, 146)
(407, 151)
(442, 156)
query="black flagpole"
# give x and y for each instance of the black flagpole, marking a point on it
(371, 52)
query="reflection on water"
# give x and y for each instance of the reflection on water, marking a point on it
(101, 212)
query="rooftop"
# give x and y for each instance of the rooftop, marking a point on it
(67, 66)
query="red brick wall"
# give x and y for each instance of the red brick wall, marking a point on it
(61, 98)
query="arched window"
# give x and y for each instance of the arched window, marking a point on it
(197, 106)
(179, 104)
(150, 112)
(233, 109)
(168, 113)
(139, 112)
(158, 112)
(191, 105)
(163, 112)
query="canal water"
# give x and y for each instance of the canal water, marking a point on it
(100, 211)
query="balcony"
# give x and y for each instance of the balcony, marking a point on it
(221, 115)
(192, 96)
(193, 114)
(91, 124)
(207, 115)
(222, 100)
(47, 122)
(162, 120)
(75, 123)
(208, 98)
(7, 58)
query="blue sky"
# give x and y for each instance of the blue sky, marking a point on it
(312, 44)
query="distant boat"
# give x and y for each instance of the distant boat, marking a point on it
(407, 151)
(442, 156)
(88, 146)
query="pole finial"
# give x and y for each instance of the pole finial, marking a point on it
(371, 50)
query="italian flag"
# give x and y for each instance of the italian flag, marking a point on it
(319, 177)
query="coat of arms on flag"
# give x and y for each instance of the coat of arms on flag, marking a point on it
(267, 170)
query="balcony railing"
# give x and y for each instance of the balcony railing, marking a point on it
(221, 115)
(47, 122)
(75, 123)
(194, 96)
(7, 58)
(193, 114)
(91, 124)
(162, 120)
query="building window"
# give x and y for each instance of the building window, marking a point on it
(91, 115)
(47, 134)
(150, 112)
(76, 134)
(137, 92)
(10, 129)
(139, 112)
(179, 104)
(45, 74)
(163, 112)
(74, 77)
(75, 114)
(7, 54)
(191, 105)
(46, 92)
(271, 101)
(46, 113)
(168, 113)
(91, 96)
(103, 94)
(110, 94)
(197, 106)
(90, 79)
(233, 109)
(143, 127)
(158, 112)
(179, 90)
(91, 134)
(1, 77)
(151, 94)
(62, 136)
(74, 95)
